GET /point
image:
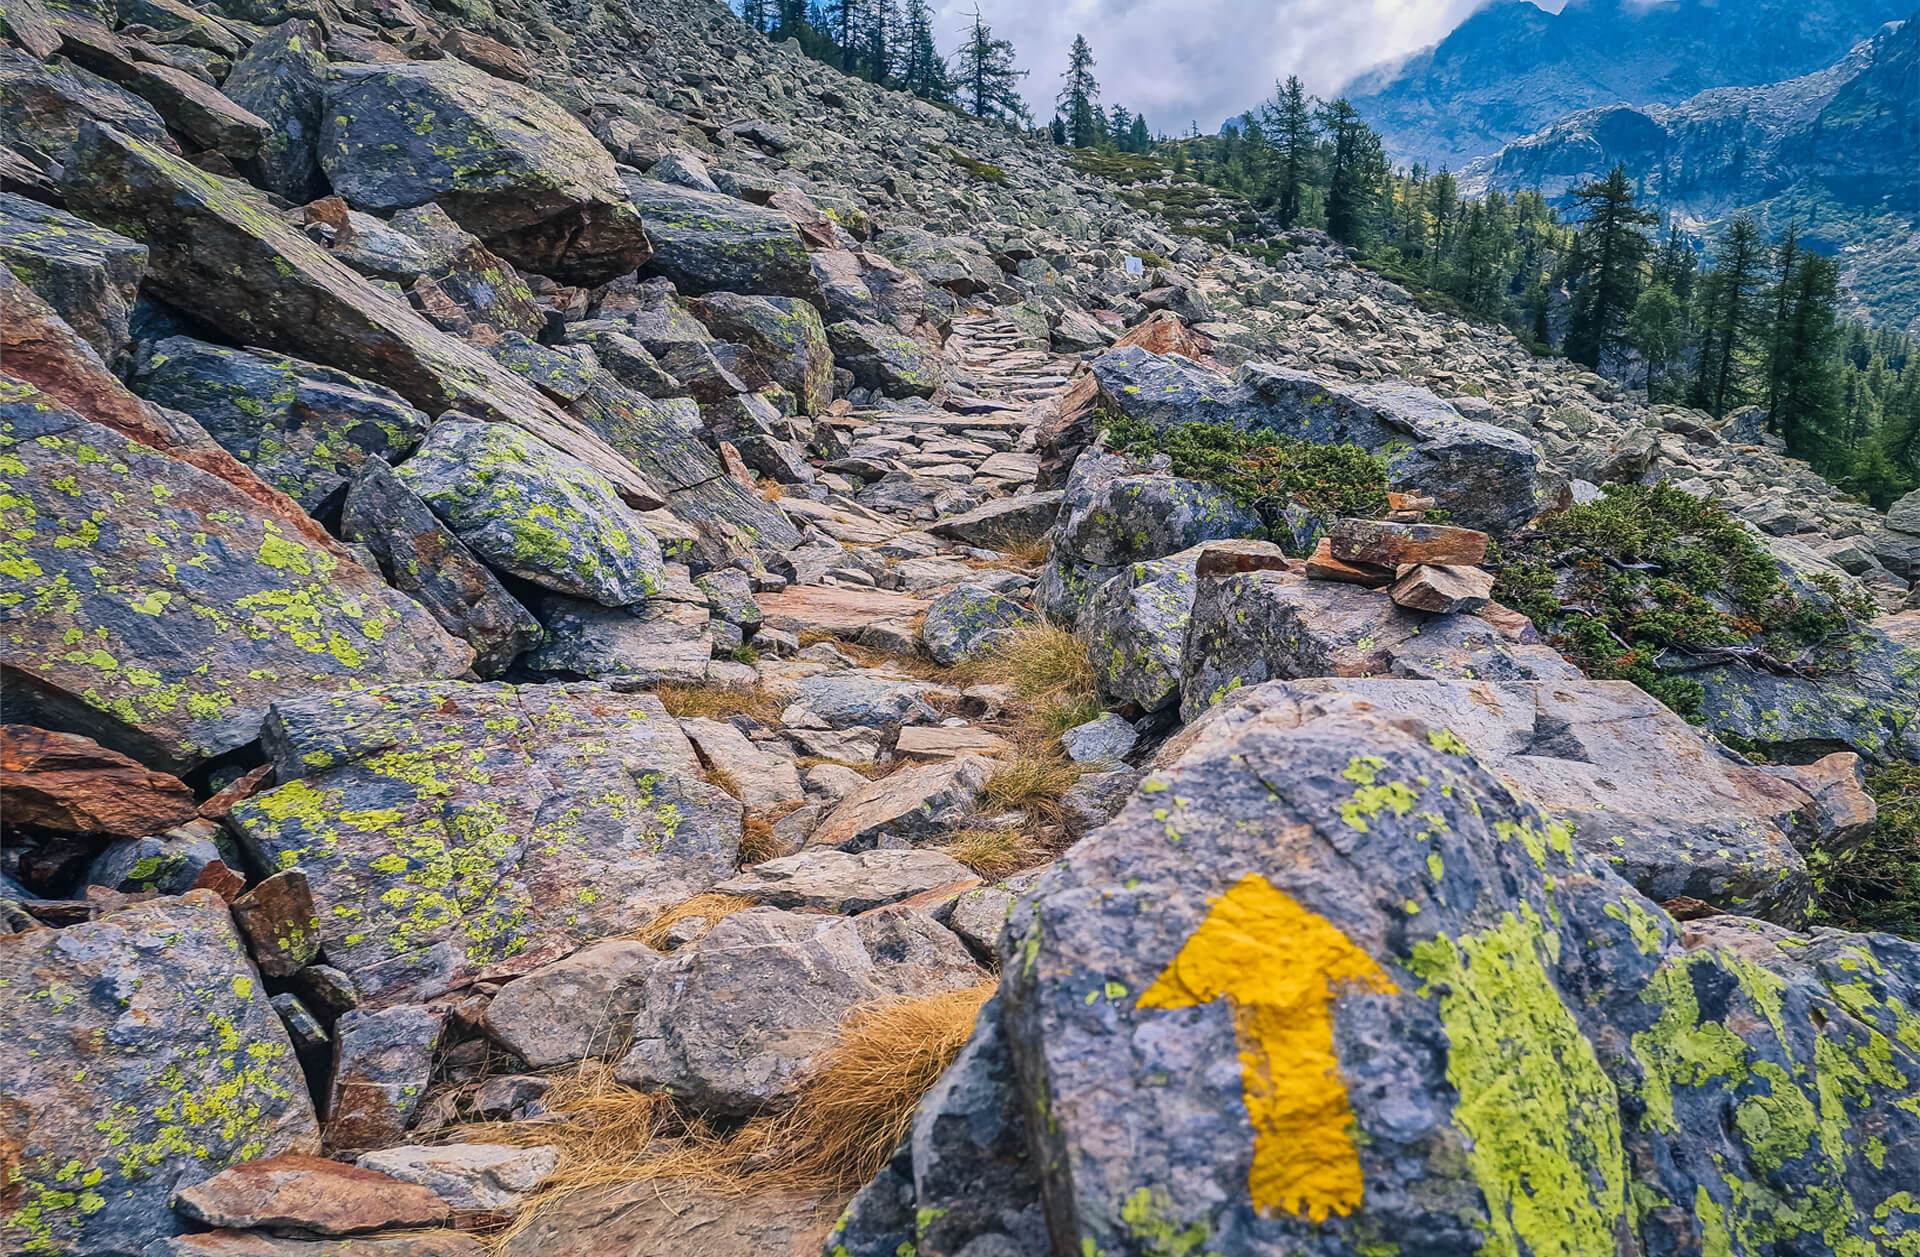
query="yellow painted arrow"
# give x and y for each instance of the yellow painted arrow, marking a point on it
(1280, 966)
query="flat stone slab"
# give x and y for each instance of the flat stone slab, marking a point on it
(832, 609)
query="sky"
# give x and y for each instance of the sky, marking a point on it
(1183, 61)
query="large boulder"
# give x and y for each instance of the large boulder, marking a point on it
(422, 559)
(218, 251)
(1668, 808)
(968, 622)
(528, 509)
(305, 429)
(282, 80)
(88, 274)
(1869, 704)
(48, 103)
(709, 242)
(1110, 518)
(1369, 997)
(783, 340)
(450, 828)
(1482, 475)
(154, 607)
(885, 360)
(142, 1057)
(504, 160)
(1275, 625)
(668, 639)
(728, 1022)
(73, 785)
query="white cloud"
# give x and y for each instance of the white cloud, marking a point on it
(1180, 61)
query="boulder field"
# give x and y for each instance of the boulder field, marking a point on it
(563, 567)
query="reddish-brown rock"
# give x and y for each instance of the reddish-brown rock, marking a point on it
(309, 1194)
(1441, 589)
(73, 785)
(1164, 333)
(217, 807)
(278, 920)
(1321, 565)
(1390, 545)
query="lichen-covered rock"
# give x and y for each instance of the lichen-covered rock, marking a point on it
(968, 622)
(198, 110)
(848, 883)
(48, 102)
(1110, 519)
(218, 251)
(463, 286)
(784, 341)
(1667, 808)
(731, 1020)
(1869, 704)
(282, 79)
(709, 242)
(1019, 520)
(448, 828)
(1275, 625)
(1369, 998)
(914, 804)
(151, 606)
(141, 1056)
(505, 161)
(1136, 627)
(382, 1062)
(422, 559)
(528, 509)
(305, 429)
(885, 360)
(575, 1008)
(88, 274)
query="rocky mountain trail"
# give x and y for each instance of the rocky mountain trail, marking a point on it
(615, 641)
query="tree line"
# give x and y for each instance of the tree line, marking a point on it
(1738, 322)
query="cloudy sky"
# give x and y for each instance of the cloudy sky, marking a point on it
(1180, 61)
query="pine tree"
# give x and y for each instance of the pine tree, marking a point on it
(1729, 295)
(1351, 171)
(756, 13)
(878, 34)
(923, 71)
(1058, 130)
(989, 85)
(1139, 139)
(1079, 98)
(1657, 329)
(1289, 123)
(843, 25)
(1608, 259)
(1807, 406)
(1786, 256)
(1119, 122)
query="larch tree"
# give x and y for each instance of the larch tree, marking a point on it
(1079, 99)
(1609, 256)
(989, 84)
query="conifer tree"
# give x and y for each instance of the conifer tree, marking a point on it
(1290, 125)
(1657, 329)
(1119, 122)
(1607, 266)
(1079, 98)
(1787, 256)
(989, 85)
(1058, 129)
(1806, 410)
(1352, 171)
(1139, 139)
(923, 71)
(1729, 295)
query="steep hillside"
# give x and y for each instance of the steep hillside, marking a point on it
(1831, 153)
(612, 642)
(1512, 68)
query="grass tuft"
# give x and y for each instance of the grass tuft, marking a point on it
(714, 702)
(853, 1107)
(1031, 783)
(709, 908)
(994, 853)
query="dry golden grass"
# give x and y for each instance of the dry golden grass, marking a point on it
(708, 908)
(994, 853)
(717, 702)
(852, 1110)
(1031, 783)
(873, 770)
(1014, 556)
(1042, 663)
(758, 843)
(722, 778)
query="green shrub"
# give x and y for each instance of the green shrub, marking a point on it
(1615, 582)
(978, 169)
(1262, 470)
(1877, 885)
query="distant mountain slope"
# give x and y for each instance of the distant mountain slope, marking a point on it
(1835, 152)
(1512, 68)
